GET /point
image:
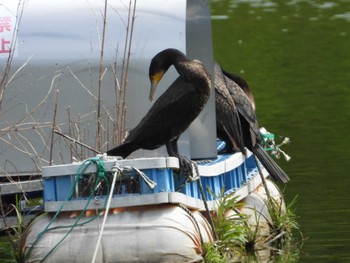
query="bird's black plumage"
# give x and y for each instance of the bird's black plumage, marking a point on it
(174, 110)
(237, 123)
(228, 126)
(242, 84)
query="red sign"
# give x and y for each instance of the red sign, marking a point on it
(5, 24)
(5, 45)
(7, 31)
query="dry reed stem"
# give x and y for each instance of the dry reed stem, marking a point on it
(77, 142)
(83, 86)
(107, 120)
(23, 149)
(127, 70)
(99, 121)
(4, 131)
(4, 80)
(121, 92)
(53, 126)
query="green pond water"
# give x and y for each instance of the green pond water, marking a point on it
(296, 57)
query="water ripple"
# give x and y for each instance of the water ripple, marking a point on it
(345, 16)
(219, 17)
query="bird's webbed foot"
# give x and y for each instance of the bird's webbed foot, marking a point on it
(185, 165)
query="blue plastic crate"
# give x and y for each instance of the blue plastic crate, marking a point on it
(187, 188)
(214, 183)
(242, 170)
(191, 189)
(164, 179)
(57, 188)
(49, 189)
(59, 180)
(250, 162)
(194, 189)
(232, 180)
(63, 186)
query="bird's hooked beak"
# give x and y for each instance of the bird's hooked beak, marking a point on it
(154, 83)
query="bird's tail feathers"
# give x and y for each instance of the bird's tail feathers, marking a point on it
(271, 166)
(123, 150)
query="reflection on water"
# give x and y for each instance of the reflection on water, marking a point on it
(295, 55)
(345, 16)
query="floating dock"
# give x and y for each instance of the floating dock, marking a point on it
(137, 210)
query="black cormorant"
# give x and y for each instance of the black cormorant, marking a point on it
(237, 124)
(174, 110)
(227, 116)
(242, 84)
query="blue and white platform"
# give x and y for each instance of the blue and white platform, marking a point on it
(228, 173)
(152, 214)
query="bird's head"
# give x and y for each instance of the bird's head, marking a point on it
(160, 64)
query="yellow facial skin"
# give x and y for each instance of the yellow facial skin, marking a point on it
(154, 82)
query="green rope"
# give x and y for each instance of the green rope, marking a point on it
(268, 141)
(100, 177)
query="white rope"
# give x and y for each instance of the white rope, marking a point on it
(146, 179)
(117, 170)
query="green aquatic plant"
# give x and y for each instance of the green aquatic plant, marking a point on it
(12, 245)
(12, 249)
(284, 222)
(252, 234)
(230, 229)
(212, 254)
(241, 241)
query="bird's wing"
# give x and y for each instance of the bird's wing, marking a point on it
(244, 106)
(226, 110)
(172, 112)
(242, 84)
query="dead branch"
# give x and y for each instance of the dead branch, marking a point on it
(53, 127)
(77, 142)
(4, 81)
(99, 121)
(82, 85)
(4, 131)
(127, 70)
